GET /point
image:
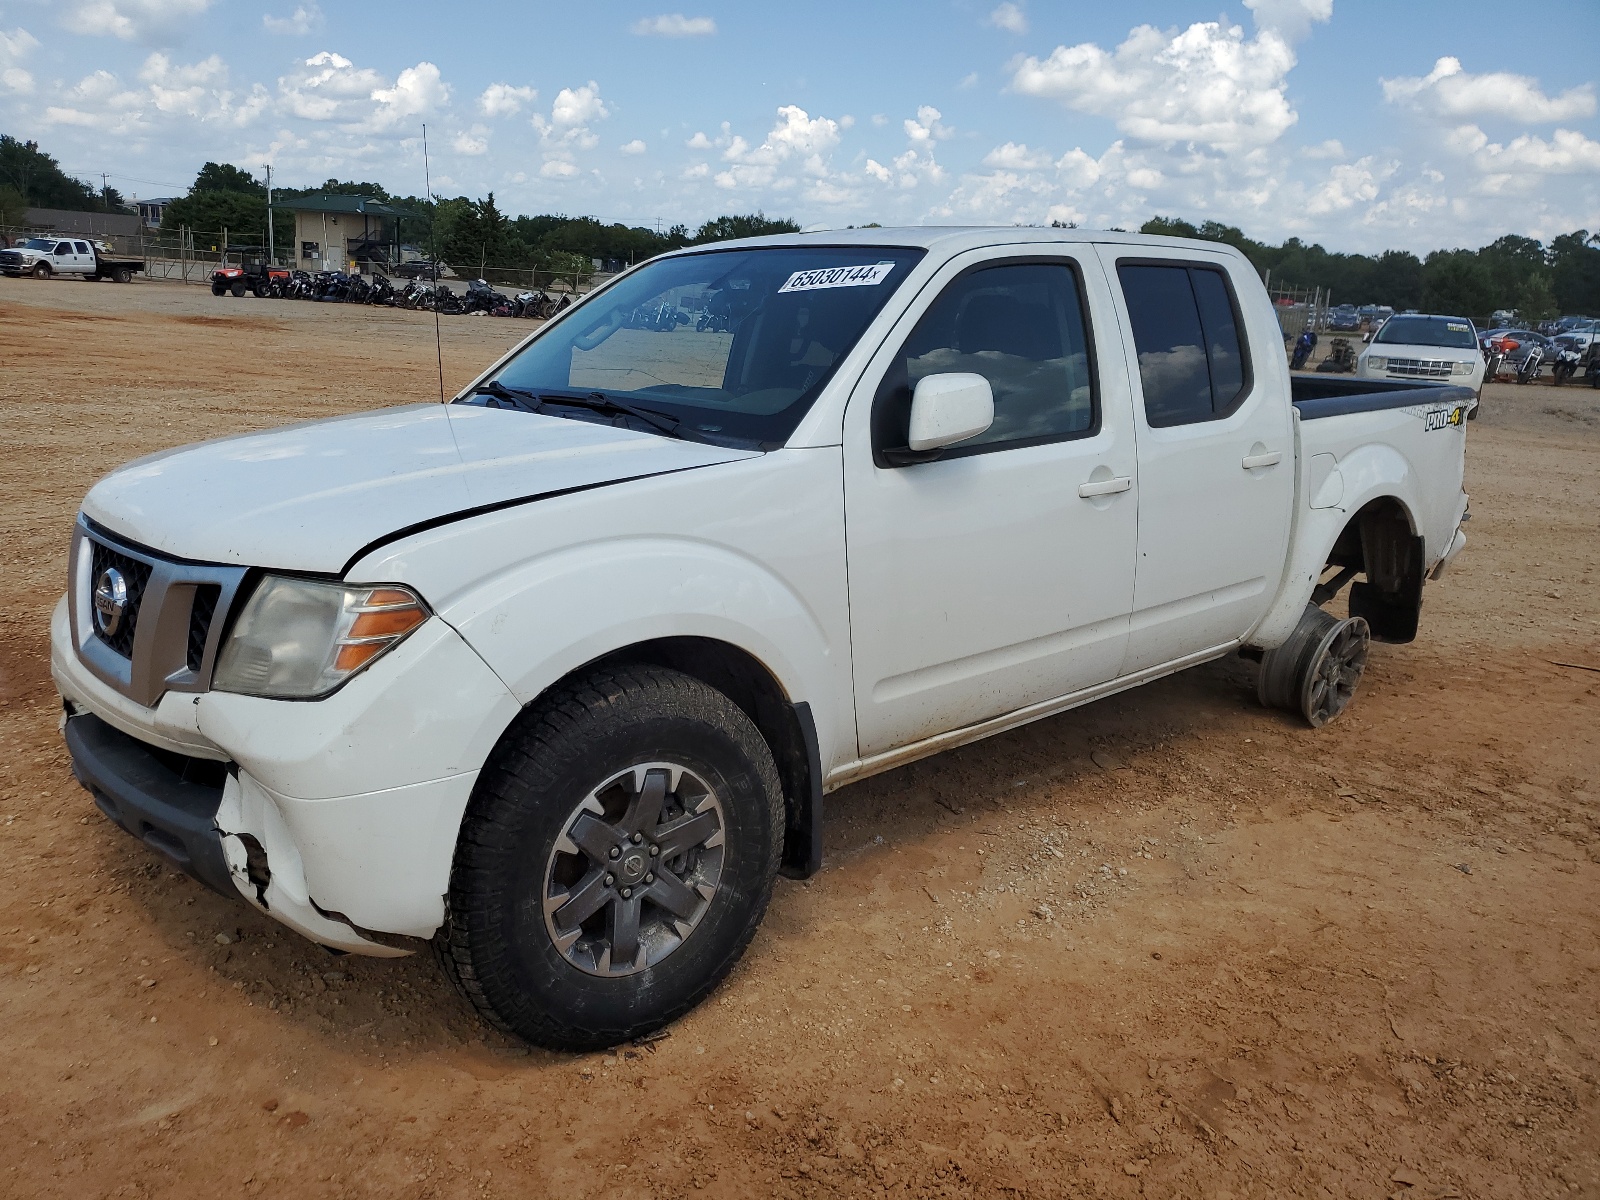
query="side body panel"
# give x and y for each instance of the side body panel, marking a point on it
(748, 553)
(1416, 455)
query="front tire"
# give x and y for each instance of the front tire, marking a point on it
(616, 857)
(41, 271)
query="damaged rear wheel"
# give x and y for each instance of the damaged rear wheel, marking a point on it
(1317, 670)
(615, 860)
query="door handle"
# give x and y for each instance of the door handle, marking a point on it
(1252, 461)
(1105, 487)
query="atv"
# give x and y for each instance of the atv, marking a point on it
(253, 274)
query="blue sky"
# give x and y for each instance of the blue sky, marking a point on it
(1360, 125)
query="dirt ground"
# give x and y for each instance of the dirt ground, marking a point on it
(1171, 944)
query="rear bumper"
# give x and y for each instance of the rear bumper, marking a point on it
(167, 801)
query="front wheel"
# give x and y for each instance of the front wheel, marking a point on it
(615, 859)
(41, 271)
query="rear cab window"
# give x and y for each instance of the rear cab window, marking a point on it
(1194, 363)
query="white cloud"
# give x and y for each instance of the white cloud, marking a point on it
(698, 171)
(558, 168)
(328, 87)
(132, 20)
(417, 91)
(472, 142)
(303, 20)
(968, 81)
(1449, 92)
(795, 135)
(99, 101)
(15, 47)
(918, 164)
(636, 146)
(1208, 84)
(577, 107)
(1332, 148)
(878, 171)
(1567, 152)
(1347, 185)
(674, 25)
(504, 100)
(1009, 17)
(1015, 156)
(1292, 19)
(699, 142)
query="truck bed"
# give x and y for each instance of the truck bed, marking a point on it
(1320, 396)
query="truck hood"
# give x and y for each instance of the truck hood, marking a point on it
(310, 497)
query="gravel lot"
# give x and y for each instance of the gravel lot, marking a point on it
(1170, 944)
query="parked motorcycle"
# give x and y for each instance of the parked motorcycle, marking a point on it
(1304, 345)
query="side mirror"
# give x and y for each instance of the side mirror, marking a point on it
(949, 408)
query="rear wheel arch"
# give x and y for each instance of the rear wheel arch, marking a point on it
(1381, 542)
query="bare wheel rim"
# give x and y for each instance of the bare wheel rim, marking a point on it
(1336, 671)
(634, 870)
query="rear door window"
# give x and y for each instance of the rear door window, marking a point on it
(1186, 330)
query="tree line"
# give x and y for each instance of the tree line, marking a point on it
(1536, 281)
(471, 235)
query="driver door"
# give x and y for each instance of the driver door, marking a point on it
(1001, 574)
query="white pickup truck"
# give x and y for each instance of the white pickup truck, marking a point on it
(45, 257)
(556, 675)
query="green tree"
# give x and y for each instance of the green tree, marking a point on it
(224, 177)
(13, 205)
(722, 229)
(1536, 299)
(44, 184)
(1511, 261)
(1397, 280)
(1456, 283)
(1575, 272)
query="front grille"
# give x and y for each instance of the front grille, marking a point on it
(200, 617)
(135, 575)
(1421, 368)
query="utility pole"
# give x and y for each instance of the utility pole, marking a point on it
(105, 192)
(272, 257)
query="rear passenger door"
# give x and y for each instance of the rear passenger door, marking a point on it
(1216, 457)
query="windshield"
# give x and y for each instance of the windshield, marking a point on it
(1453, 333)
(38, 244)
(732, 344)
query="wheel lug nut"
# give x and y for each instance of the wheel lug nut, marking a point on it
(616, 852)
(627, 893)
(637, 838)
(649, 878)
(654, 850)
(610, 879)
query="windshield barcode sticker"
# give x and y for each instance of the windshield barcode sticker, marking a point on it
(832, 277)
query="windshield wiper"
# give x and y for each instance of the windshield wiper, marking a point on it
(602, 403)
(529, 400)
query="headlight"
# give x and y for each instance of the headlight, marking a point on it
(1463, 368)
(1377, 362)
(299, 638)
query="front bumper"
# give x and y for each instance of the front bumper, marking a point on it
(166, 800)
(337, 817)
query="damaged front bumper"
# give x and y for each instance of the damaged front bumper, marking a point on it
(185, 809)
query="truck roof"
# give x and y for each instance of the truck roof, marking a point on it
(953, 239)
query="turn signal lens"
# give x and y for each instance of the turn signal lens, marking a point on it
(302, 638)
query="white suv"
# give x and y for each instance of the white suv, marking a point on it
(1425, 349)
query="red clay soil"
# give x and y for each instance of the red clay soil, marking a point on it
(1171, 944)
